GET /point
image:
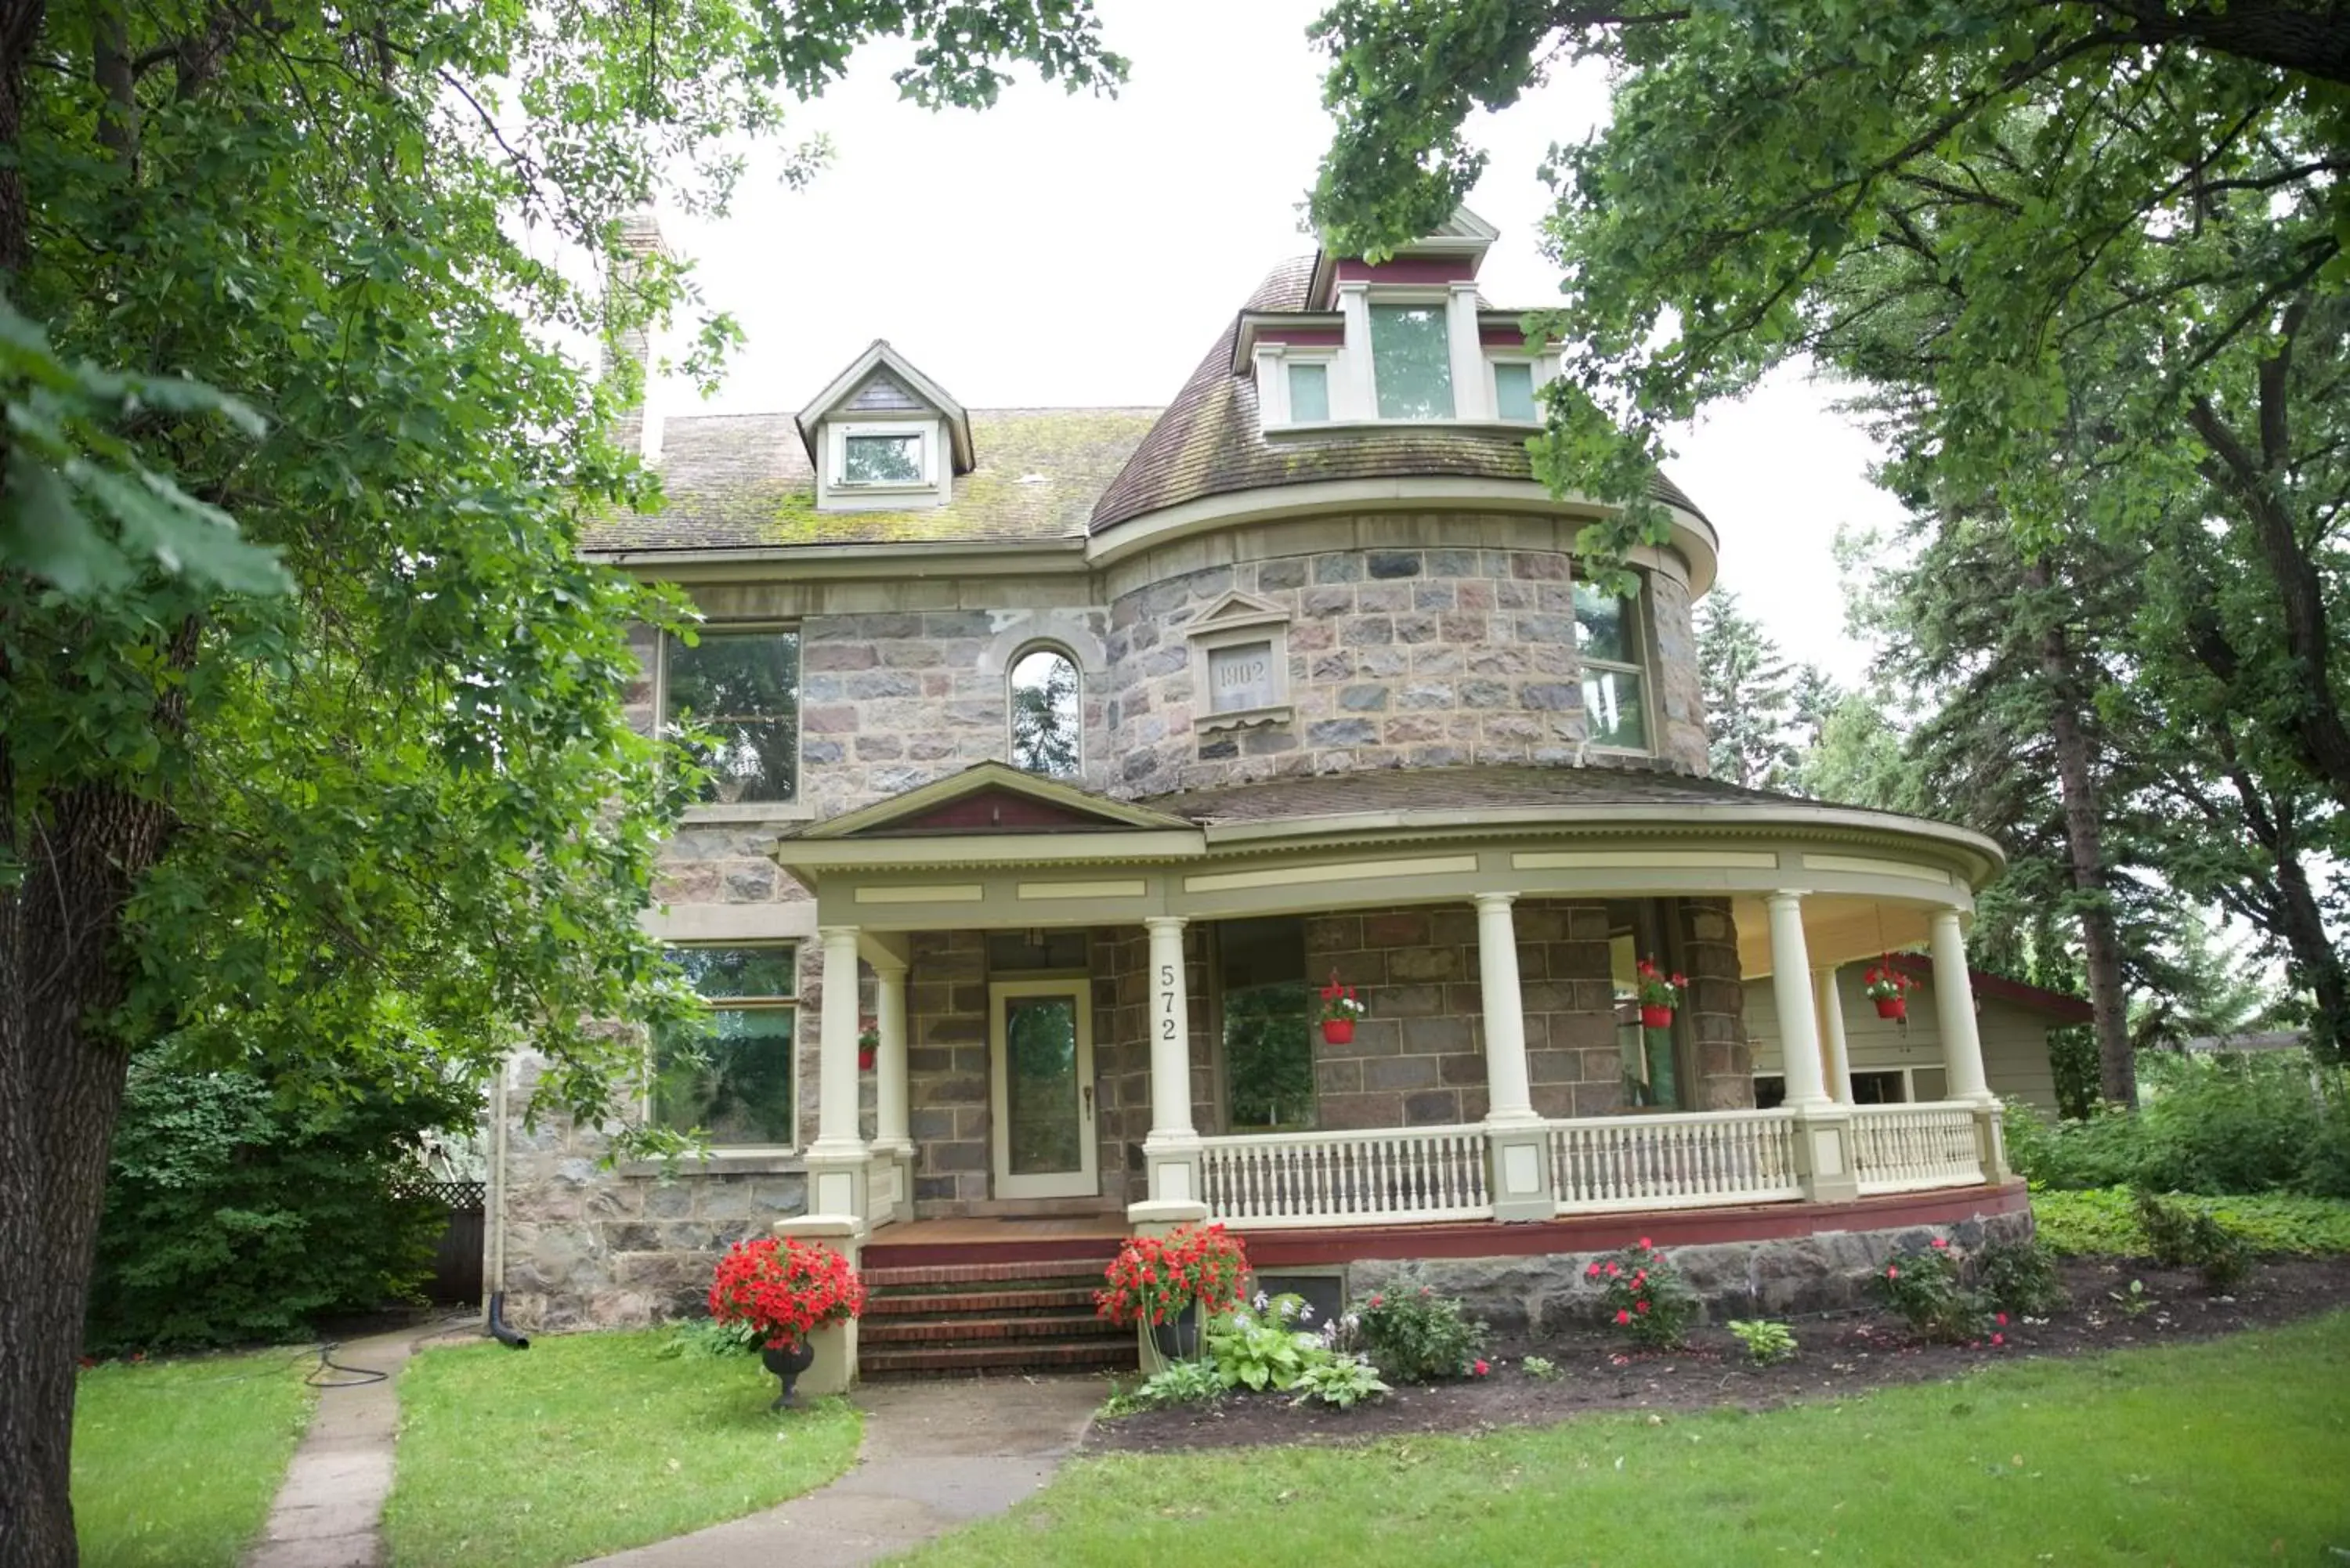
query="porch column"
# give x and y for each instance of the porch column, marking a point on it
(1517, 1141)
(1954, 1016)
(1835, 1053)
(893, 1145)
(837, 1159)
(1171, 1152)
(1823, 1128)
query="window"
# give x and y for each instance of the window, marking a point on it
(742, 687)
(1650, 1056)
(1309, 392)
(1878, 1088)
(1607, 634)
(1513, 389)
(1770, 1091)
(1048, 717)
(1267, 1024)
(882, 459)
(1411, 361)
(730, 1073)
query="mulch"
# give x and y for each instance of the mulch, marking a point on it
(1840, 1354)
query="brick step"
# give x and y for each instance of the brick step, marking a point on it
(1010, 1356)
(923, 1275)
(958, 1330)
(1048, 1297)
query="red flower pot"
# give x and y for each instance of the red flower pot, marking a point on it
(865, 1061)
(1339, 1031)
(1653, 1017)
(1892, 1006)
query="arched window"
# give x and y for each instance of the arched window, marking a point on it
(1047, 714)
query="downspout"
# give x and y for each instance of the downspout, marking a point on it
(494, 1321)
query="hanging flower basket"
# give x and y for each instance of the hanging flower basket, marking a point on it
(1888, 987)
(1340, 1009)
(869, 1043)
(1661, 994)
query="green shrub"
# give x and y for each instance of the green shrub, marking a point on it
(2105, 1221)
(2209, 1125)
(1540, 1368)
(1766, 1343)
(2020, 1277)
(1643, 1295)
(1414, 1335)
(233, 1216)
(1923, 1289)
(1264, 1348)
(1177, 1383)
(2180, 1236)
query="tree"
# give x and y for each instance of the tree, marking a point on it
(312, 748)
(1748, 695)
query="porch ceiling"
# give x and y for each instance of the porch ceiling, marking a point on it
(1838, 928)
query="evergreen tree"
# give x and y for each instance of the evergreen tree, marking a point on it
(1748, 695)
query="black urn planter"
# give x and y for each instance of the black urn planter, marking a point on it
(1179, 1340)
(788, 1366)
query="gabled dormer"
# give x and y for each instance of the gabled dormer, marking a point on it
(1403, 341)
(885, 437)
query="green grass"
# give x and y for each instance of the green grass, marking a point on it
(2101, 1219)
(175, 1463)
(591, 1443)
(2222, 1452)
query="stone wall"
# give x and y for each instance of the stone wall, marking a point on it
(1525, 1298)
(1724, 1062)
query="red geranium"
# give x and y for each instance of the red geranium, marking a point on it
(785, 1290)
(1154, 1278)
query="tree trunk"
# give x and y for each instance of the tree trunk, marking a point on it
(2085, 844)
(2294, 913)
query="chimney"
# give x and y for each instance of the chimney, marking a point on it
(640, 240)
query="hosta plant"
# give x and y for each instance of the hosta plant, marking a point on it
(1766, 1343)
(1345, 1381)
(1268, 1347)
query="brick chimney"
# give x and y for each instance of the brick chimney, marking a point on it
(640, 237)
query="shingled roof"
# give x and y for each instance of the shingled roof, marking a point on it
(1210, 442)
(738, 480)
(1502, 787)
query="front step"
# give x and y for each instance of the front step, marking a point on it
(942, 1318)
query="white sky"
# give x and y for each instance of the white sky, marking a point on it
(1065, 250)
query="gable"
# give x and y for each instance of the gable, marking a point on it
(990, 797)
(994, 811)
(882, 393)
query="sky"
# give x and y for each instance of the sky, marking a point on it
(1076, 251)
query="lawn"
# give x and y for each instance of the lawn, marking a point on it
(2210, 1453)
(591, 1443)
(2102, 1219)
(175, 1463)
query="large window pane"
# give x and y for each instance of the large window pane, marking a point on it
(1309, 392)
(1046, 1130)
(1412, 360)
(1650, 1078)
(882, 459)
(1047, 718)
(1513, 389)
(742, 688)
(1604, 626)
(730, 1074)
(1612, 710)
(1268, 1024)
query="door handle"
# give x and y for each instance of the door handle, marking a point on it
(1088, 1093)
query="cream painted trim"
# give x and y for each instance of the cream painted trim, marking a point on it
(1709, 859)
(1135, 889)
(1085, 1181)
(1867, 866)
(941, 893)
(1344, 871)
(795, 921)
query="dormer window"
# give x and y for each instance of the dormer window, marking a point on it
(1309, 392)
(1513, 389)
(1411, 361)
(881, 457)
(883, 437)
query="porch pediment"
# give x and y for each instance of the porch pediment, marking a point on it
(992, 798)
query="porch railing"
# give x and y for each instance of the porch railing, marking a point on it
(1910, 1148)
(1386, 1176)
(1689, 1162)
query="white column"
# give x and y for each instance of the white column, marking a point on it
(1170, 1035)
(889, 1112)
(1954, 1012)
(1791, 988)
(1508, 1098)
(836, 1127)
(1473, 398)
(1835, 1055)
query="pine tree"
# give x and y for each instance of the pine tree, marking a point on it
(1749, 696)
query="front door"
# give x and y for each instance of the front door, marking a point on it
(1041, 1048)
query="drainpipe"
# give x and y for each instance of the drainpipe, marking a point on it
(494, 1321)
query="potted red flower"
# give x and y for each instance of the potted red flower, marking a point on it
(1172, 1283)
(1661, 994)
(781, 1291)
(1888, 987)
(1340, 1008)
(868, 1043)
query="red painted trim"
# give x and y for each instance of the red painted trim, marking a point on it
(1502, 337)
(2056, 1003)
(994, 811)
(1605, 1232)
(1419, 270)
(1302, 337)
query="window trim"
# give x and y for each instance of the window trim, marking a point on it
(1535, 381)
(1233, 621)
(1645, 670)
(1010, 669)
(797, 808)
(718, 1155)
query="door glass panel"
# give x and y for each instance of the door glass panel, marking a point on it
(1045, 1125)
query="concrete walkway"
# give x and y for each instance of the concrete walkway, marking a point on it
(329, 1512)
(936, 1456)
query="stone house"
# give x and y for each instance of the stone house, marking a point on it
(1062, 757)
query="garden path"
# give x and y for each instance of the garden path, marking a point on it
(936, 1456)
